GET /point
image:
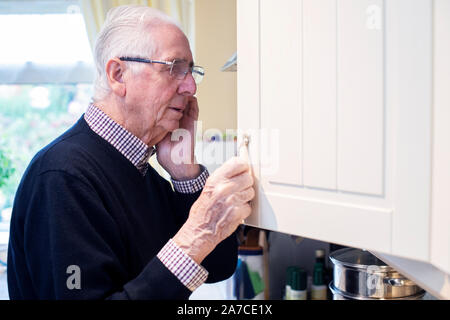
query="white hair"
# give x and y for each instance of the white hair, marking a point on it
(126, 32)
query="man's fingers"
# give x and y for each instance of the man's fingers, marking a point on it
(232, 167)
(242, 181)
(244, 211)
(240, 198)
(235, 166)
(247, 194)
(193, 108)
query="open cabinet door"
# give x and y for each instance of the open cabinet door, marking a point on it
(336, 99)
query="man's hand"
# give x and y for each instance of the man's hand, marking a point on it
(177, 157)
(221, 207)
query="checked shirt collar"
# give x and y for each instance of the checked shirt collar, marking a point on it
(130, 146)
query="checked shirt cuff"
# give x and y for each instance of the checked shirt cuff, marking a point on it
(193, 185)
(191, 274)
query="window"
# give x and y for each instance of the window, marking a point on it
(46, 73)
(44, 47)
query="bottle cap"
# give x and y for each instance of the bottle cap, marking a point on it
(318, 274)
(320, 253)
(298, 279)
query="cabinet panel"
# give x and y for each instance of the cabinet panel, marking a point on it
(360, 96)
(337, 222)
(319, 94)
(299, 97)
(248, 82)
(280, 47)
(440, 228)
(409, 82)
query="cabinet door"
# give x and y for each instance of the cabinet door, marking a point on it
(440, 202)
(336, 99)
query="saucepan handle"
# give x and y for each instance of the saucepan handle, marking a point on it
(395, 282)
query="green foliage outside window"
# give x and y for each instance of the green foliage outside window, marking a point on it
(6, 168)
(25, 129)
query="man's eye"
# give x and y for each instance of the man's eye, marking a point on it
(180, 69)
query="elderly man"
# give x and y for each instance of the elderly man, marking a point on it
(91, 218)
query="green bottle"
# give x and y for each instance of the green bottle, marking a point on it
(287, 288)
(318, 288)
(298, 285)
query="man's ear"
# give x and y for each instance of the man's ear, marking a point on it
(114, 73)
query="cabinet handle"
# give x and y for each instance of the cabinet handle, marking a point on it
(244, 154)
(243, 148)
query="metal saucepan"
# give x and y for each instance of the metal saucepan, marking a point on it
(358, 274)
(339, 295)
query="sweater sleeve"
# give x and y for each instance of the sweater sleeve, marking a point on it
(221, 262)
(68, 230)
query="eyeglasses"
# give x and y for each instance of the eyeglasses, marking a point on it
(178, 68)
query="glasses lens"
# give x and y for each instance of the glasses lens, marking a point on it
(180, 68)
(198, 73)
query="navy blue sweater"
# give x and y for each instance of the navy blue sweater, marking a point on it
(82, 203)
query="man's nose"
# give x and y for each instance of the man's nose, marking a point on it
(188, 86)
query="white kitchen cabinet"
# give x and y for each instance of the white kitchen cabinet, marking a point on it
(346, 103)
